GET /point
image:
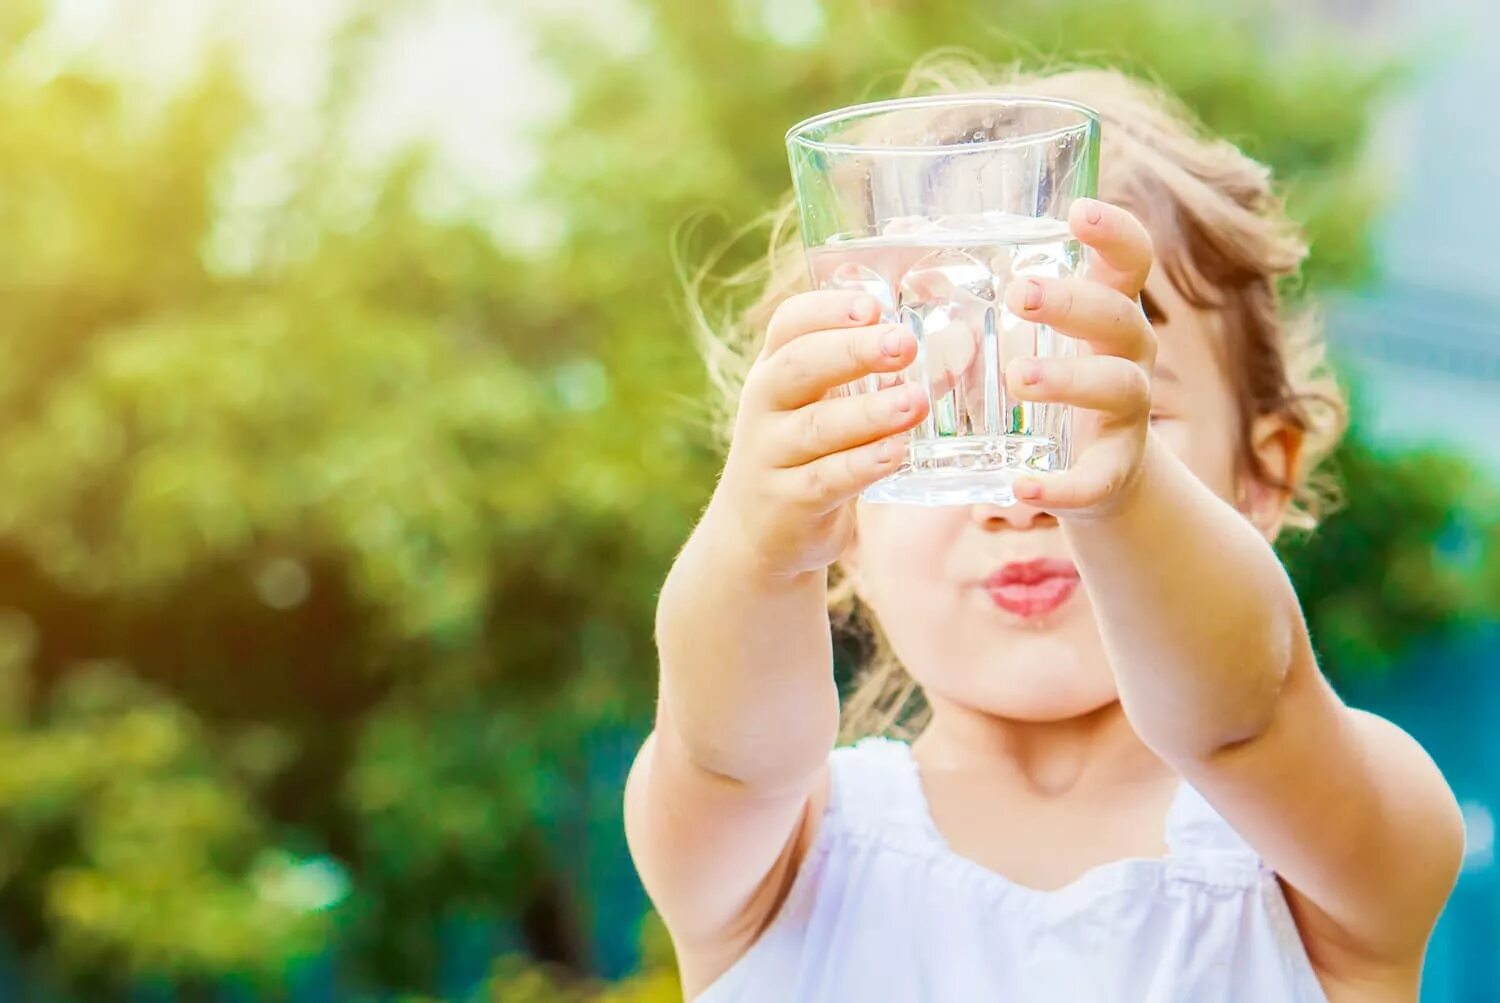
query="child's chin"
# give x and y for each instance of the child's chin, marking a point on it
(1043, 686)
(1042, 708)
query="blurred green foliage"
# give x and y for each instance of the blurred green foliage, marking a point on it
(1413, 553)
(331, 527)
(130, 835)
(517, 980)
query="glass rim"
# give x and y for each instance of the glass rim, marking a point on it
(796, 135)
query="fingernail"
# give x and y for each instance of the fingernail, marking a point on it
(1031, 373)
(885, 452)
(863, 308)
(1091, 211)
(1033, 298)
(890, 343)
(1030, 490)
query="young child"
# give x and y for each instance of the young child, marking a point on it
(1137, 790)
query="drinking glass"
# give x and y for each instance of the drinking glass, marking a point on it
(933, 205)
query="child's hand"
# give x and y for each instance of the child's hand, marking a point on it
(799, 455)
(1113, 379)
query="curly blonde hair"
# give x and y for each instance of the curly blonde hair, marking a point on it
(1224, 241)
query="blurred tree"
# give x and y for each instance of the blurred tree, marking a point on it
(280, 465)
(517, 980)
(1412, 554)
(130, 842)
(366, 510)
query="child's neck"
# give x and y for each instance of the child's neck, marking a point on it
(1051, 758)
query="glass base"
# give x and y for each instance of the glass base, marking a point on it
(967, 470)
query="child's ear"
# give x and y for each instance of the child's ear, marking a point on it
(1277, 444)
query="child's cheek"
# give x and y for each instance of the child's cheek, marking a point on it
(900, 542)
(1207, 452)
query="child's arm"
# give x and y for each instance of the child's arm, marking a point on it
(1216, 672)
(1212, 658)
(719, 794)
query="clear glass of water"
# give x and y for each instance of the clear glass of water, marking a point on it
(933, 206)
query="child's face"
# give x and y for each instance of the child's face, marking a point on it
(1013, 649)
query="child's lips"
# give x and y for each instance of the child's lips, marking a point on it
(1032, 588)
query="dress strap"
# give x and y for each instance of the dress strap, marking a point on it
(1195, 827)
(874, 788)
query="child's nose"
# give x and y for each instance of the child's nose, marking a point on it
(1017, 516)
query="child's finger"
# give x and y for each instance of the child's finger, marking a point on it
(830, 481)
(1109, 321)
(1098, 474)
(841, 423)
(949, 352)
(1105, 383)
(1122, 247)
(818, 311)
(805, 369)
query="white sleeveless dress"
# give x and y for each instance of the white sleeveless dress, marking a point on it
(883, 909)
